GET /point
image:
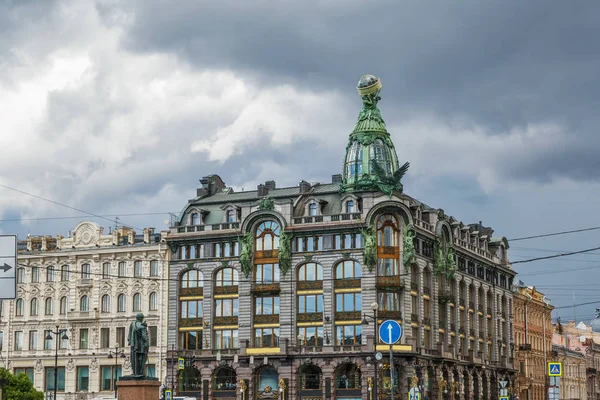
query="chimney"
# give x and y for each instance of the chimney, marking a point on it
(270, 185)
(337, 178)
(147, 233)
(304, 187)
(262, 190)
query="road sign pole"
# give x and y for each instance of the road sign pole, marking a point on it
(391, 372)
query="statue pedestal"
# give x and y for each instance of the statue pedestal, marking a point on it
(138, 388)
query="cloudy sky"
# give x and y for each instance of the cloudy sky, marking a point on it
(120, 107)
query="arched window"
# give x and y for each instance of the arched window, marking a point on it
(267, 236)
(153, 301)
(85, 271)
(350, 208)
(312, 209)
(63, 305)
(106, 270)
(227, 277)
(348, 376)
(64, 273)
(195, 219)
(192, 279)
(388, 246)
(310, 272)
(121, 303)
(35, 274)
(348, 270)
(33, 310)
(267, 380)
(381, 153)
(84, 303)
(19, 308)
(311, 377)
(20, 275)
(105, 306)
(137, 302)
(354, 160)
(50, 274)
(225, 379)
(190, 380)
(230, 216)
(48, 306)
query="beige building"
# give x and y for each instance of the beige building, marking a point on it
(90, 286)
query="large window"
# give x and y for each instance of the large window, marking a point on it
(190, 340)
(19, 338)
(106, 270)
(33, 335)
(85, 271)
(389, 301)
(348, 270)
(121, 336)
(226, 307)
(19, 308)
(50, 274)
(35, 274)
(354, 160)
(381, 154)
(266, 305)
(83, 378)
(63, 305)
(27, 371)
(153, 301)
(105, 338)
(225, 379)
(266, 337)
(49, 306)
(108, 375)
(191, 309)
(137, 302)
(64, 273)
(348, 302)
(349, 334)
(153, 268)
(227, 277)
(105, 304)
(84, 304)
(33, 309)
(137, 269)
(267, 273)
(121, 303)
(122, 269)
(388, 246)
(311, 335)
(50, 379)
(194, 278)
(267, 377)
(226, 339)
(310, 272)
(195, 219)
(47, 340)
(310, 303)
(83, 338)
(267, 236)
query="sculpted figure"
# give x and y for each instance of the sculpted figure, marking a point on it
(139, 344)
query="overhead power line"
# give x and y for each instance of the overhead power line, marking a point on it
(555, 256)
(66, 206)
(555, 234)
(81, 216)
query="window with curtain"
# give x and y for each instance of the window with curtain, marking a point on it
(153, 302)
(63, 305)
(64, 273)
(33, 309)
(137, 302)
(35, 274)
(105, 304)
(106, 270)
(84, 304)
(19, 308)
(49, 376)
(85, 271)
(121, 303)
(50, 274)
(122, 269)
(20, 275)
(154, 268)
(48, 306)
(83, 378)
(137, 269)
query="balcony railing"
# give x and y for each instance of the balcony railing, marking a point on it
(389, 282)
(217, 321)
(427, 321)
(209, 227)
(347, 315)
(186, 322)
(390, 314)
(266, 319)
(310, 317)
(199, 291)
(327, 218)
(310, 285)
(347, 283)
(481, 336)
(480, 308)
(461, 330)
(226, 289)
(472, 332)
(453, 327)
(265, 288)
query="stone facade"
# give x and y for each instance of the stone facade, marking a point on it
(89, 286)
(533, 340)
(573, 381)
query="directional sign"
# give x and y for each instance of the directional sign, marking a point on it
(181, 363)
(8, 267)
(390, 332)
(554, 369)
(168, 395)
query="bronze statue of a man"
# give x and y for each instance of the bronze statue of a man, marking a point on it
(139, 343)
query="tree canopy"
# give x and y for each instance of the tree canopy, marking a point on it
(18, 387)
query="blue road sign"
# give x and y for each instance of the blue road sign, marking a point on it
(168, 395)
(554, 369)
(390, 331)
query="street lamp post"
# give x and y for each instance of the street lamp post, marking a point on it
(374, 307)
(64, 336)
(116, 353)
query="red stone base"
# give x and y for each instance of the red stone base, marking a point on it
(138, 390)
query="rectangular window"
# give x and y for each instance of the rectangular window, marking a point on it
(389, 301)
(106, 271)
(153, 333)
(26, 371)
(226, 307)
(83, 378)
(236, 249)
(153, 268)
(349, 335)
(121, 336)
(312, 303)
(348, 241)
(266, 337)
(85, 271)
(137, 269)
(33, 335)
(19, 340)
(267, 273)
(105, 338)
(83, 338)
(192, 252)
(47, 340)
(266, 305)
(64, 341)
(348, 302)
(310, 244)
(226, 339)
(337, 244)
(217, 250)
(1, 340)
(108, 375)
(190, 340)
(311, 335)
(191, 309)
(60, 384)
(227, 249)
(35, 275)
(122, 269)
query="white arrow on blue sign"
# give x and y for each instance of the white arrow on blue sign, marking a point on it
(390, 331)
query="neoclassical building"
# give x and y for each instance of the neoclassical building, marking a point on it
(278, 292)
(90, 286)
(533, 332)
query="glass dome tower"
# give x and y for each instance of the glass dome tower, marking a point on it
(371, 162)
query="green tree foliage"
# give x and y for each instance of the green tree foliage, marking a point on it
(18, 387)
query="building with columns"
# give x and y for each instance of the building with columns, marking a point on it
(533, 332)
(278, 292)
(88, 287)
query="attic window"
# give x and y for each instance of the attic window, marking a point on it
(230, 216)
(195, 219)
(312, 209)
(350, 207)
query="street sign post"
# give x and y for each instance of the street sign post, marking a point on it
(390, 332)
(8, 267)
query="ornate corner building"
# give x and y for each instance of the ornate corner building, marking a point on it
(274, 293)
(75, 299)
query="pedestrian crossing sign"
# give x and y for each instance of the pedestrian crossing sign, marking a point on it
(168, 395)
(414, 395)
(504, 398)
(181, 363)
(554, 369)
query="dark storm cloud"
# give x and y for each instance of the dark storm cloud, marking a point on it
(498, 64)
